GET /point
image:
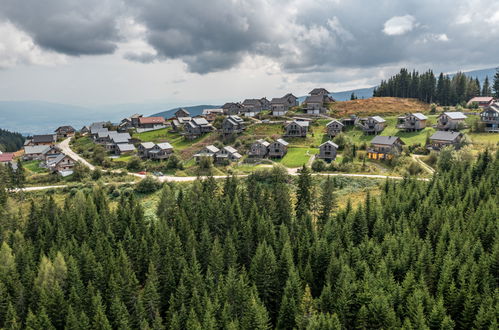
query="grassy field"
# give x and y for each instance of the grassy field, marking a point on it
(33, 166)
(297, 157)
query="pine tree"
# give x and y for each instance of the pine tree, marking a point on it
(263, 273)
(495, 85)
(486, 89)
(327, 202)
(303, 194)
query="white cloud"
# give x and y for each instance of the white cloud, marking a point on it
(17, 48)
(398, 25)
(494, 19)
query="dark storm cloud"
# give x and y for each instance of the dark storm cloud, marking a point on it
(69, 27)
(301, 36)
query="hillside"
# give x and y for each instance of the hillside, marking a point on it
(379, 106)
(194, 110)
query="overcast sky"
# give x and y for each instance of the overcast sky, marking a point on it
(211, 51)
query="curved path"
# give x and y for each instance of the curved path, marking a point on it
(64, 145)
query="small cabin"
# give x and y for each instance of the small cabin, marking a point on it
(259, 149)
(441, 139)
(334, 128)
(412, 122)
(372, 125)
(278, 148)
(232, 125)
(328, 151)
(384, 147)
(451, 121)
(296, 128)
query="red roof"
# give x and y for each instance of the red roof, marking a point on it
(481, 99)
(6, 157)
(151, 120)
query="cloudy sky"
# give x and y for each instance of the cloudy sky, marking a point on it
(211, 51)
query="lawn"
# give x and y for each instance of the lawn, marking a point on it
(297, 156)
(484, 138)
(34, 166)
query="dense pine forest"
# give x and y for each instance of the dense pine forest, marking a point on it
(9, 141)
(444, 90)
(267, 251)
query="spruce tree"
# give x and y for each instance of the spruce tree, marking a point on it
(495, 84)
(303, 193)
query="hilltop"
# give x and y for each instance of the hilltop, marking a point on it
(379, 106)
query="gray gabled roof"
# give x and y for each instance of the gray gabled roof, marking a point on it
(493, 107)
(263, 142)
(31, 150)
(330, 143)
(445, 135)
(385, 140)
(278, 100)
(165, 146)
(319, 90)
(120, 137)
(126, 147)
(335, 121)
(200, 121)
(230, 150)
(315, 99)
(281, 141)
(212, 148)
(147, 145)
(419, 116)
(47, 138)
(455, 115)
(58, 159)
(378, 119)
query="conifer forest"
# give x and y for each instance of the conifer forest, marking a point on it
(268, 251)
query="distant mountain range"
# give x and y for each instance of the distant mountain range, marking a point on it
(34, 117)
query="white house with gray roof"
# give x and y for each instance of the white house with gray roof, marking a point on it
(451, 121)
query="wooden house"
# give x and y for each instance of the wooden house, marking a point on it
(441, 139)
(208, 151)
(44, 140)
(61, 163)
(265, 103)
(259, 149)
(232, 125)
(328, 151)
(371, 125)
(291, 100)
(279, 106)
(34, 152)
(7, 158)
(227, 155)
(144, 148)
(489, 118)
(151, 122)
(450, 121)
(125, 149)
(412, 122)
(63, 132)
(197, 127)
(251, 107)
(317, 104)
(278, 149)
(160, 151)
(334, 127)
(182, 113)
(296, 128)
(232, 108)
(211, 114)
(384, 147)
(481, 101)
(319, 91)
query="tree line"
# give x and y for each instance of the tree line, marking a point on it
(10, 142)
(267, 251)
(444, 90)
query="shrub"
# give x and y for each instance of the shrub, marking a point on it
(148, 185)
(135, 164)
(96, 174)
(319, 165)
(206, 163)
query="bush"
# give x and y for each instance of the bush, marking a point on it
(96, 174)
(135, 164)
(319, 165)
(206, 163)
(174, 162)
(148, 185)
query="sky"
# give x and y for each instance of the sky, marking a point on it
(97, 52)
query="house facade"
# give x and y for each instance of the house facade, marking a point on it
(61, 163)
(384, 147)
(125, 149)
(279, 107)
(371, 125)
(232, 108)
(232, 125)
(208, 151)
(197, 127)
(296, 128)
(450, 121)
(278, 149)
(291, 100)
(259, 149)
(319, 91)
(265, 103)
(412, 122)
(316, 104)
(160, 151)
(227, 155)
(334, 127)
(34, 152)
(442, 139)
(251, 107)
(182, 113)
(63, 132)
(489, 118)
(328, 151)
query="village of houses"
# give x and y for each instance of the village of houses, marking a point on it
(288, 122)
